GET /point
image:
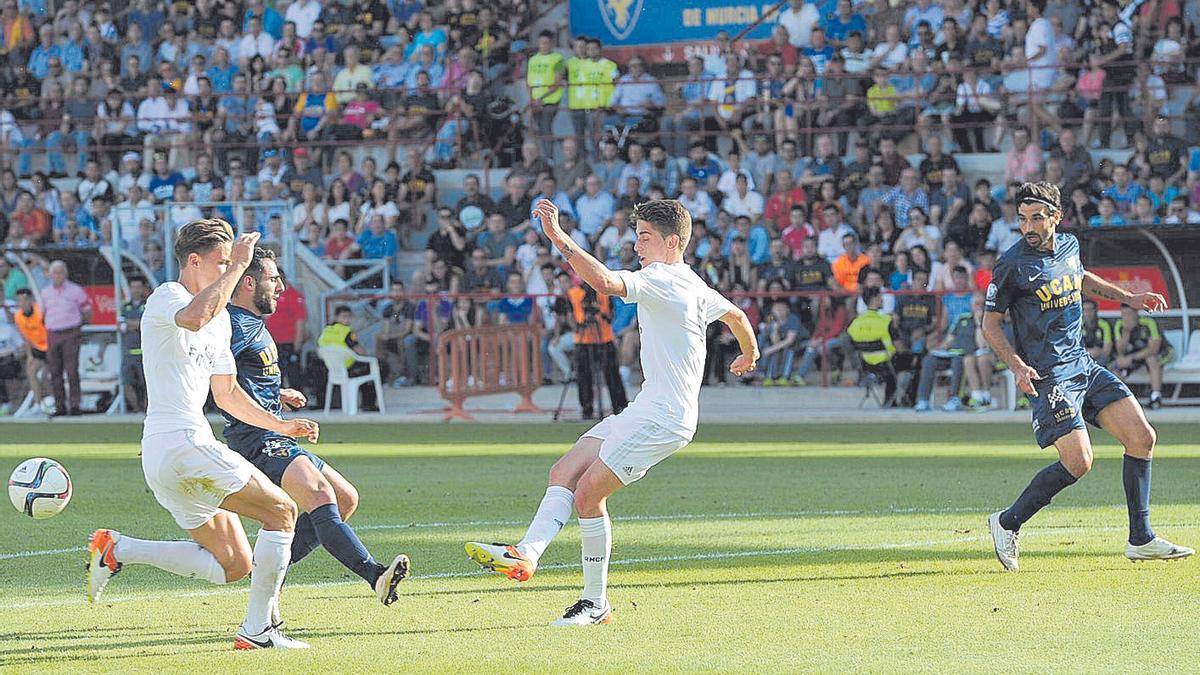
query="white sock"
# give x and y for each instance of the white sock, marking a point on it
(596, 537)
(185, 558)
(552, 514)
(272, 552)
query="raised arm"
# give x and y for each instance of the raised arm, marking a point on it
(742, 330)
(1098, 287)
(993, 332)
(210, 301)
(585, 264)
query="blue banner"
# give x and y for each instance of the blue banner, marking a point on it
(619, 23)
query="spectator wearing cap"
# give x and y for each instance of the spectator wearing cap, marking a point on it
(273, 171)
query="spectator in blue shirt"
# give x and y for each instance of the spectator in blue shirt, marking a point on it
(164, 179)
(845, 21)
(517, 308)
(272, 23)
(594, 207)
(39, 59)
(758, 240)
(700, 164)
(429, 35)
(820, 52)
(1124, 191)
(562, 200)
(146, 16)
(221, 71)
(377, 241)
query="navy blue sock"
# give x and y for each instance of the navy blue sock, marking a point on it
(305, 539)
(1047, 483)
(1136, 476)
(342, 543)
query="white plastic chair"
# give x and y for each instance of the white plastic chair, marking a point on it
(334, 357)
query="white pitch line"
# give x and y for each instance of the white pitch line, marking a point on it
(799, 550)
(651, 518)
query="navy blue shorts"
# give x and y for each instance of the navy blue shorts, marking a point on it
(1065, 405)
(277, 454)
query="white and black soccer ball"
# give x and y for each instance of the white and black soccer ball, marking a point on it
(40, 488)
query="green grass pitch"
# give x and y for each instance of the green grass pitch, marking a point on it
(758, 548)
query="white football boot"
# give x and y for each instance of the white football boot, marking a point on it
(270, 638)
(1006, 542)
(585, 613)
(385, 585)
(1156, 549)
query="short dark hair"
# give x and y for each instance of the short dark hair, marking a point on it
(342, 308)
(667, 216)
(1040, 192)
(24, 291)
(255, 269)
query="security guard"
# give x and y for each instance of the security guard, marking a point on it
(341, 333)
(871, 333)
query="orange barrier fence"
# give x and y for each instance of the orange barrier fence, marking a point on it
(489, 360)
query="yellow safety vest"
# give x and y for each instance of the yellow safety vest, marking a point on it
(577, 71)
(541, 74)
(336, 334)
(872, 336)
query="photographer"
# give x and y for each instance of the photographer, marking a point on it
(594, 349)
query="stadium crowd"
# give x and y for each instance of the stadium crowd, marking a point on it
(792, 154)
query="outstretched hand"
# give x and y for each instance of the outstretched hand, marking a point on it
(547, 212)
(1151, 302)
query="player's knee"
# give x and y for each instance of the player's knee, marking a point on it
(237, 566)
(563, 473)
(281, 516)
(347, 499)
(1141, 444)
(1078, 465)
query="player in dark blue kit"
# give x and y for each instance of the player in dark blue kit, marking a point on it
(326, 498)
(1040, 283)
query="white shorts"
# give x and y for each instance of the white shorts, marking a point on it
(192, 475)
(633, 443)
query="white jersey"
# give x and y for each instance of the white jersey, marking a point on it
(179, 363)
(674, 308)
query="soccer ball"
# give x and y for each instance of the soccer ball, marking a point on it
(40, 488)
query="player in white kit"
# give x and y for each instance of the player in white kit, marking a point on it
(674, 308)
(203, 484)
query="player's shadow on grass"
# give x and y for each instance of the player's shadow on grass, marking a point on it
(105, 647)
(341, 633)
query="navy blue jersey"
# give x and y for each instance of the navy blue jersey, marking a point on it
(257, 361)
(1041, 292)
